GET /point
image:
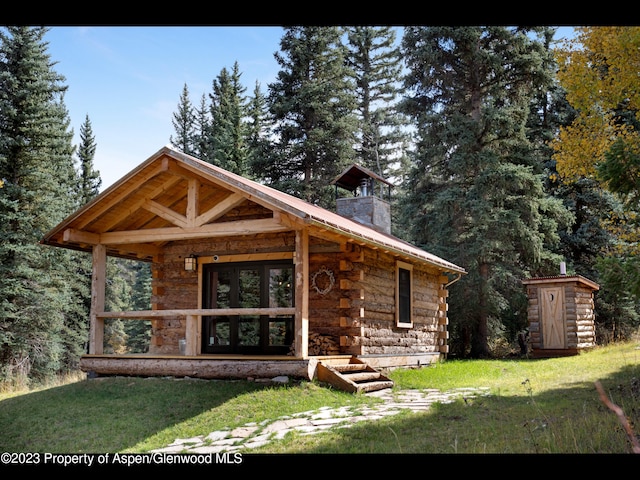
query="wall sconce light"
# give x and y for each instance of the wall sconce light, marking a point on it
(191, 263)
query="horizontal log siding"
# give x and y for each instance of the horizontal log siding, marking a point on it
(380, 334)
(357, 313)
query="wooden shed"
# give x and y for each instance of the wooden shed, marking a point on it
(561, 314)
(248, 281)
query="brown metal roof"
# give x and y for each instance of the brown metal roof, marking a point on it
(351, 177)
(163, 180)
(560, 279)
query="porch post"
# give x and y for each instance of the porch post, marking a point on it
(191, 335)
(301, 263)
(98, 283)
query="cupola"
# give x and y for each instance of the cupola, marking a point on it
(366, 203)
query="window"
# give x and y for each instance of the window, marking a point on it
(404, 310)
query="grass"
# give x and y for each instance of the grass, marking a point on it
(535, 406)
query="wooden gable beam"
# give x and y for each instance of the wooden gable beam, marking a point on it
(193, 202)
(166, 213)
(149, 235)
(219, 209)
(135, 206)
(105, 206)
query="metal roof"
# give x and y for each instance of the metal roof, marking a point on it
(351, 177)
(561, 279)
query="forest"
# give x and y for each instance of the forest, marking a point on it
(510, 152)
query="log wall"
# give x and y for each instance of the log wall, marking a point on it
(351, 297)
(361, 311)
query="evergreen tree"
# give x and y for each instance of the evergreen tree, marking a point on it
(201, 135)
(376, 65)
(78, 278)
(259, 133)
(89, 177)
(139, 331)
(227, 129)
(476, 196)
(312, 102)
(36, 166)
(184, 125)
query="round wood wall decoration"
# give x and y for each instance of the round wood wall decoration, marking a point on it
(322, 280)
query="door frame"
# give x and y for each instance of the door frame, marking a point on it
(264, 347)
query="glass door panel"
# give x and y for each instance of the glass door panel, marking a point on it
(248, 285)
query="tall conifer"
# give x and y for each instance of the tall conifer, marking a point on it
(40, 185)
(227, 128)
(476, 196)
(184, 124)
(313, 104)
(375, 63)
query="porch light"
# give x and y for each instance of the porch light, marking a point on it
(191, 263)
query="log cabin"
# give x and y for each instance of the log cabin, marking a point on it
(248, 281)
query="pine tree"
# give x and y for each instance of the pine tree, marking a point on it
(139, 332)
(184, 125)
(227, 129)
(40, 182)
(376, 65)
(476, 196)
(259, 133)
(202, 128)
(312, 102)
(90, 177)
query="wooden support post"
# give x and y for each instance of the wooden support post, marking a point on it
(191, 335)
(301, 264)
(98, 283)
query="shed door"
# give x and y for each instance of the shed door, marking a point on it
(552, 311)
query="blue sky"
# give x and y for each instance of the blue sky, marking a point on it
(128, 80)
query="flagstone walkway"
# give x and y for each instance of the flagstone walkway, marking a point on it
(254, 435)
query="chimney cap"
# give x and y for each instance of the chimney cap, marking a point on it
(351, 178)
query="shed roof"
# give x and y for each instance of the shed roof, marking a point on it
(351, 177)
(154, 198)
(562, 279)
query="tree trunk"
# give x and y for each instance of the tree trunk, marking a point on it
(480, 340)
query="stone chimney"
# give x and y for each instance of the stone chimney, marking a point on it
(365, 204)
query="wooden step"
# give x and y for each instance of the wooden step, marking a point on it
(375, 386)
(362, 376)
(351, 367)
(354, 376)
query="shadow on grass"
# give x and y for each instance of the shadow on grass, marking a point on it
(568, 420)
(107, 414)
(115, 414)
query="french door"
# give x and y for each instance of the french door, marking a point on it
(266, 284)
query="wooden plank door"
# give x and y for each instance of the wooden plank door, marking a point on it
(552, 310)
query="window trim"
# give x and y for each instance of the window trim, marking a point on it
(399, 323)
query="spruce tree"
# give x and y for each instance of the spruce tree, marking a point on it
(89, 176)
(184, 124)
(139, 332)
(202, 128)
(375, 62)
(259, 131)
(40, 182)
(227, 129)
(312, 102)
(476, 196)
